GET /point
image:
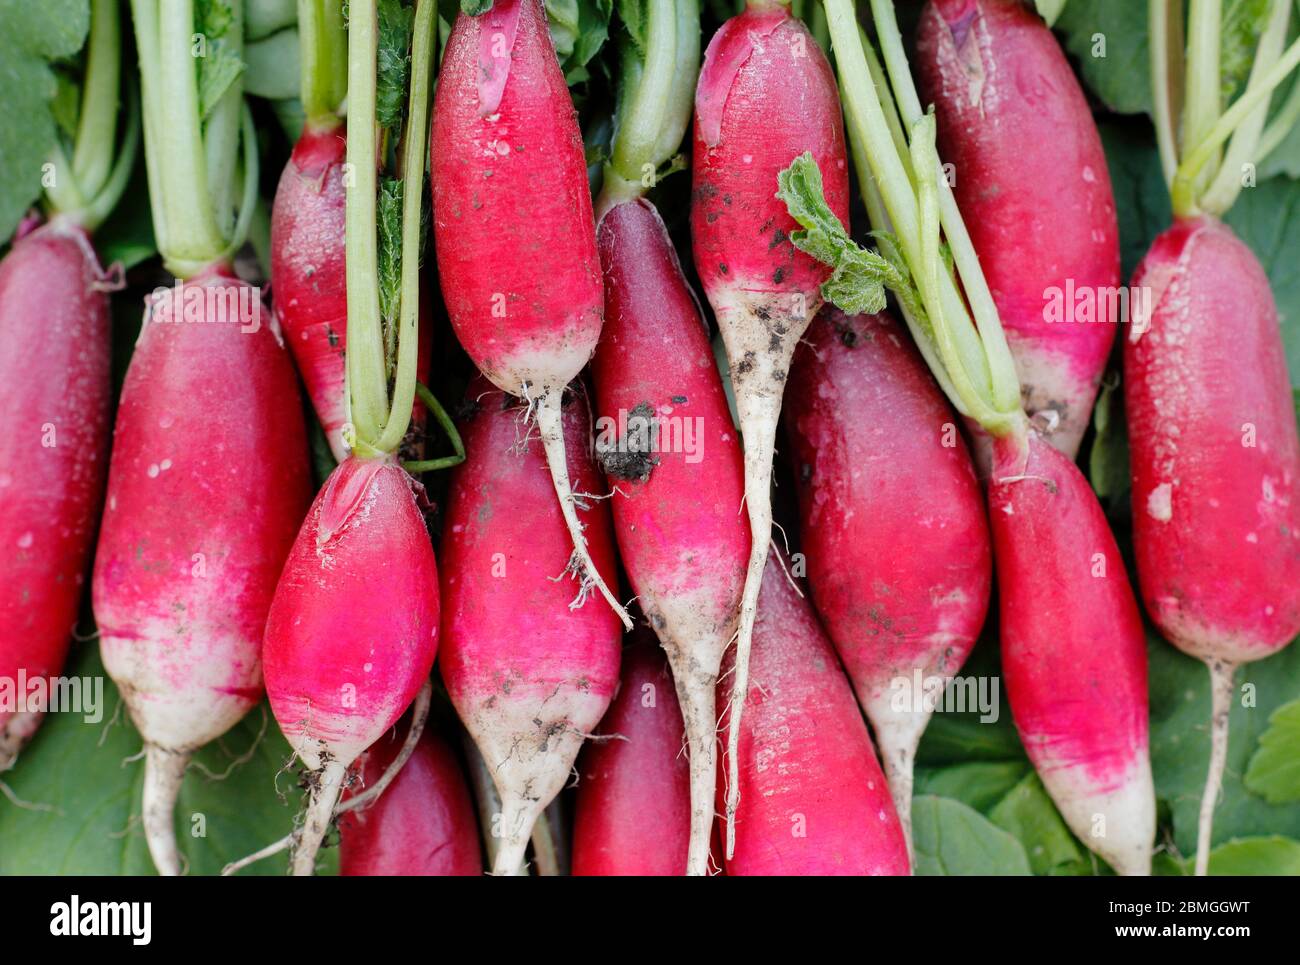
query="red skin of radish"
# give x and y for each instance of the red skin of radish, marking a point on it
(813, 800)
(424, 822)
(55, 391)
(308, 277)
(881, 464)
(512, 215)
(206, 487)
(1034, 189)
(682, 541)
(1073, 650)
(766, 95)
(633, 809)
(353, 630)
(529, 675)
(1216, 521)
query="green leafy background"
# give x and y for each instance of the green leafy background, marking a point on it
(980, 809)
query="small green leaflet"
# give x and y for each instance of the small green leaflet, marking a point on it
(857, 284)
(1243, 22)
(394, 58)
(389, 216)
(633, 15)
(1273, 856)
(219, 64)
(1274, 771)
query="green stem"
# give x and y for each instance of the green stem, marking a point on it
(1242, 150)
(99, 207)
(63, 192)
(248, 201)
(416, 138)
(1187, 178)
(686, 72)
(448, 427)
(1202, 106)
(92, 157)
(221, 131)
(1282, 122)
(1002, 381)
(144, 15)
(367, 384)
(323, 49)
(1163, 40)
(645, 110)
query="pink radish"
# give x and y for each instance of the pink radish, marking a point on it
(812, 798)
(423, 824)
(675, 509)
(1074, 662)
(766, 94)
(206, 487)
(512, 219)
(307, 272)
(529, 669)
(54, 384)
(1031, 179)
(341, 668)
(880, 464)
(1214, 449)
(633, 808)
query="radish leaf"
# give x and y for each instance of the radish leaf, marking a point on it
(951, 839)
(1108, 40)
(1274, 771)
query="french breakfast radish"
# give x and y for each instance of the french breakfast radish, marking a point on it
(513, 225)
(766, 94)
(1214, 452)
(879, 464)
(530, 671)
(632, 814)
(208, 478)
(423, 823)
(812, 798)
(1031, 178)
(1075, 671)
(353, 630)
(54, 384)
(55, 387)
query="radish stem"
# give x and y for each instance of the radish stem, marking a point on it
(323, 46)
(92, 157)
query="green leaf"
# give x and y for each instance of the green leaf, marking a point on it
(273, 66)
(213, 18)
(1273, 855)
(951, 839)
(979, 785)
(1274, 771)
(395, 25)
(1267, 217)
(1108, 39)
(1049, 10)
(265, 17)
(632, 13)
(1029, 814)
(1180, 743)
(389, 218)
(473, 8)
(218, 69)
(579, 28)
(1243, 21)
(33, 34)
(84, 770)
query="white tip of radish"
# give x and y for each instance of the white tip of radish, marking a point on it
(164, 771)
(550, 423)
(898, 734)
(1119, 824)
(1221, 692)
(517, 820)
(15, 731)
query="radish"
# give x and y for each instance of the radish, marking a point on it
(633, 809)
(1212, 428)
(512, 220)
(813, 800)
(1074, 664)
(880, 464)
(209, 474)
(55, 386)
(530, 670)
(667, 441)
(307, 224)
(766, 94)
(1031, 179)
(340, 670)
(423, 824)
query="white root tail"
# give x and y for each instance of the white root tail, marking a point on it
(164, 771)
(696, 695)
(1221, 691)
(550, 424)
(316, 823)
(516, 828)
(15, 732)
(898, 736)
